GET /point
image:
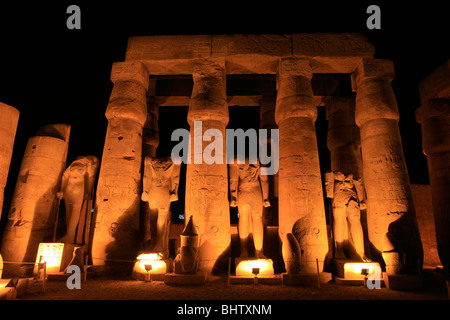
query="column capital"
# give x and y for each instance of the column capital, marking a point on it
(295, 97)
(291, 66)
(437, 84)
(371, 68)
(130, 71)
(209, 98)
(335, 104)
(128, 97)
(439, 107)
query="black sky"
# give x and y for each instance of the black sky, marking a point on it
(55, 75)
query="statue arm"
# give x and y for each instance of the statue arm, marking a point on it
(264, 181)
(329, 184)
(360, 191)
(64, 181)
(234, 182)
(146, 181)
(92, 176)
(174, 182)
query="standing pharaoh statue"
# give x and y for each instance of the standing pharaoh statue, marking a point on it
(160, 188)
(77, 188)
(347, 194)
(249, 192)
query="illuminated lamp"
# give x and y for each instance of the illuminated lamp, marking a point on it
(360, 270)
(254, 267)
(150, 263)
(51, 254)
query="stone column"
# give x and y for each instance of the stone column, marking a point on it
(301, 203)
(116, 234)
(33, 208)
(8, 127)
(434, 115)
(344, 143)
(207, 184)
(343, 138)
(150, 144)
(267, 122)
(392, 225)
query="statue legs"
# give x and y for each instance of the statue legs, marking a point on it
(162, 232)
(340, 230)
(351, 213)
(251, 221)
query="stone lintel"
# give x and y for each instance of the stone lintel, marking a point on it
(249, 53)
(437, 84)
(130, 71)
(370, 68)
(242, 101)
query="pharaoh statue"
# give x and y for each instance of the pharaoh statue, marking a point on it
(348, 200)
(160, 188)
(77, 188)
(250, 193)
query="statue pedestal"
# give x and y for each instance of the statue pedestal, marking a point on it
(306, 279)
(349, 272)
(402, 281)
(198, 278)
(253, 271)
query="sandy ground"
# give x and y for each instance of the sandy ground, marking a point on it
(129, 289)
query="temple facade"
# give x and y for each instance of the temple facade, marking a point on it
(370, 217)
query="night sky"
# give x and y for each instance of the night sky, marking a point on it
(55, 75)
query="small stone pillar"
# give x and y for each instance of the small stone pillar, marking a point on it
(207, 184)
(301, 203)
(434, 116)
(33, 207)
(391, 222)
(8, 126)
(116, 234)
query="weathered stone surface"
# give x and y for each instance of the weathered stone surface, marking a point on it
(301, 206)
(118, 191)
(392, 225)
(207, 184)
(423, 205)
(33, 208)
(8, 126)
(434, 116)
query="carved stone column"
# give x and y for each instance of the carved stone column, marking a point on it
(33, 207)
(392, 225)
(267, 122)
(207, 184)
(434, 115)
(343, 138)
(8, 127)
(150, 144)
(301, 205)
(344, 143)
(116, 234)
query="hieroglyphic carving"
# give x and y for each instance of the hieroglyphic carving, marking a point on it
(331, 44)
(279, 45)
